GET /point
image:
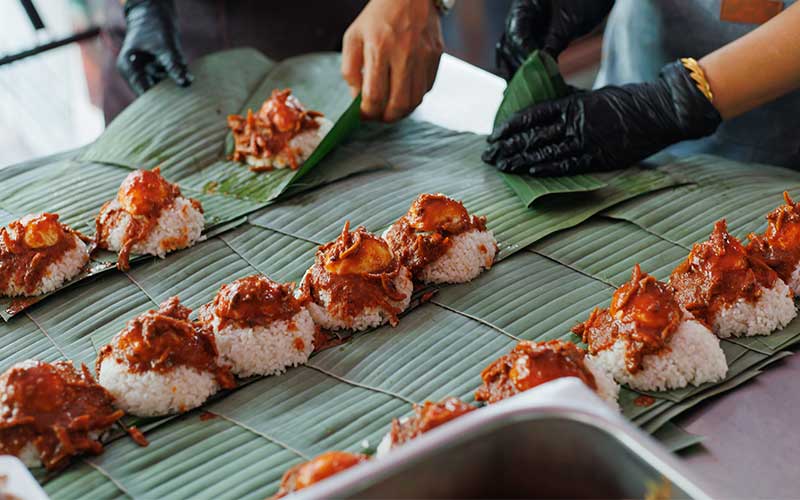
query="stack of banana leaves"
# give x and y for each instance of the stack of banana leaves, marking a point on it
(564, 246)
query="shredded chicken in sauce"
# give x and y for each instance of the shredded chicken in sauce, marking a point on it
(779, 246)
(29, 245)
(644, 314)
(358, 270)
(164, 339)
(252, 301)
(531, 364)
(315, 470)
(56, 408)
(268, 133)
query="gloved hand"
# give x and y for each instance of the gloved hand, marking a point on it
(549, 25)
(151, 48)
(609, 128)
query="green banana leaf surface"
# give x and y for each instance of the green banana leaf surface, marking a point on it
(185, 132)
(537, 80)
(558, 260)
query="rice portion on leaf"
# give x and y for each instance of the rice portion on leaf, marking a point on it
(530, 364)
(356, 283)
(259, 326)
(148, 217)
(38, 254)
(439, 242)
(162, 363)
(732, 291)
(648, 341)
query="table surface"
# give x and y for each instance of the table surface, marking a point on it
(750, 445)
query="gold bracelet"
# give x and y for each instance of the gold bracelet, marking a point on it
(699, 76)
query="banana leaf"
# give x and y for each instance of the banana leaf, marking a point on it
(655, 424)
(425, 158)
(537, 80)
(676, 439)
(185, 131)
(742, 193)
(607, 249)
(345, 397)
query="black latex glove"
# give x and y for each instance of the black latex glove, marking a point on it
(605, 129)
(549, 25)
(151, 48)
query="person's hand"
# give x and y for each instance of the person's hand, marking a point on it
(391, 54)
(151, 48)
(548, 25)
(605, 129)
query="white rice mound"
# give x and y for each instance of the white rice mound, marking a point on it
(370, 317)
(386, 445)
(469, 254)
(30, 456)
(303, 144)
(773, 310)
(794, 281)
(607, 388)
(265, 350)
(180, 221)
(152, 394)
(694, 357)
(57, 273)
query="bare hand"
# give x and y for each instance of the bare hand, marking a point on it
(391, 54)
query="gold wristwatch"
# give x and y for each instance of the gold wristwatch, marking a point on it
(444, 6)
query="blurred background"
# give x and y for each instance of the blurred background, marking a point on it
(53, 52)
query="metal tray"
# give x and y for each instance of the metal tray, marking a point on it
(532, 446)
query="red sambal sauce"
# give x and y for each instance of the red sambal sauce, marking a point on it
(143, 195)
(255, 300)
(322, 467)
(644, 313)
(164, 339)
(358, 270)
(779, 246)
(29, 245)
(425, 232)
(531, 364)
(717, 273)
(55, 407)
(426, 417)
(267, 133)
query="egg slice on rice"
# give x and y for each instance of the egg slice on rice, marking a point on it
(356, 283)
(38, 254)
(439, 242)
(148, 217)
(649, 342)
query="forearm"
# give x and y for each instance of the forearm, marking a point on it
(758, 67)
